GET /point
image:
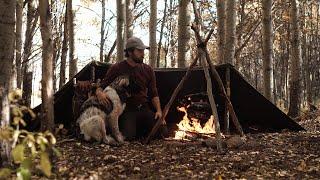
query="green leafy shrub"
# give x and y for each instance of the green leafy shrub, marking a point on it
(30, 150)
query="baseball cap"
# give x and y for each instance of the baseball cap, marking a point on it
(135, 42)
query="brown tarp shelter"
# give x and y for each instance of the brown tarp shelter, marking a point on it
(255, 113)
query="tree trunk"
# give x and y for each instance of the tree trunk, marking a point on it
(32, 20)
(19, 9)
(7, 25)
(73, 61)
(27, 77)
(129, 19)
(108, 57)
(56, 41)
(295, 82)
(183, 32)
(47, 109)
(230, 30)
(306, 71)
(102, 28)
(221, 13)
(64, 51)
(153, 33)
(240, 28)
(161, 32)
(120, 28)
(267, 48)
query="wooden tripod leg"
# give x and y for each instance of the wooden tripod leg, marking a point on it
(222, 89)
(168, 105)
(212, 101)
(202, 46)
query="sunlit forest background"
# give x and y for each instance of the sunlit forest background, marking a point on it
(95, 34)
(273, 44)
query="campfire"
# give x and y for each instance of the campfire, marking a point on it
(190, 126)
(198, 120)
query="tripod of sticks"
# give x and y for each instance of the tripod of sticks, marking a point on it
(205, 60)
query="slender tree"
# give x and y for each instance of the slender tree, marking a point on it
(230, 31)
(267, 48)
(19, 9)
(129, 19)
(64, 52)
(7, 25)
(102, 28)
(221, 13)
(73, 61)
(56, 35)
(183, 31)
(120, 29)
(153, 33)
(163, 23)
(32, 20)
(295, 81)
(47, 111)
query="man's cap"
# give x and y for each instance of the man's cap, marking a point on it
(135, 42)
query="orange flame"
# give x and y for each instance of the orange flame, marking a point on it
(185, 125)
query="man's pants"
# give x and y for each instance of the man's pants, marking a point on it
(137, 122)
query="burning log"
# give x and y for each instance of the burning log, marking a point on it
(199, 110)
(188, 125)
(197, 106)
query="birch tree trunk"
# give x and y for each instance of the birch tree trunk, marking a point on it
(183, 31)
(295, 82)
(267, 50)
(102, 28)
(47, 108)
(64, 52)
(7, 25)
(120, 29)
(230, 30)
(19, 9)
(153, 33)
(73, 61)
(221, 13)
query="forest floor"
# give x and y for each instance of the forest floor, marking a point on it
(285, 155)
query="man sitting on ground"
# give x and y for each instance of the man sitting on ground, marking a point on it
(138, 118)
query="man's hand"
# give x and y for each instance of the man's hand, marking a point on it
(102, 97)
(158, 115)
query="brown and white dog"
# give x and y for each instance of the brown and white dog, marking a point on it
(95, 120)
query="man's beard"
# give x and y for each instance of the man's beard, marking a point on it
(137, 60)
